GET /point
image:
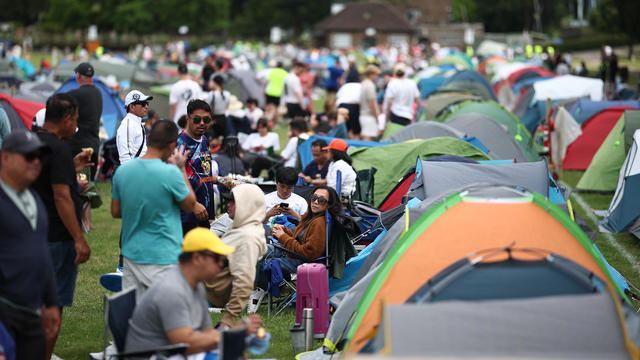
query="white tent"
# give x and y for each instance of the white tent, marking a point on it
(567, 87)
(566, 131)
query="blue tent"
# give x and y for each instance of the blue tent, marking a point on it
(112, 105)
(465, 77)
(525, 82)
(585, 108)
(428, 86)
(304, 149)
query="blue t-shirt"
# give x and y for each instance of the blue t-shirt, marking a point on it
(200, 169)
(150, 192)
(334, 75)
(312, 171)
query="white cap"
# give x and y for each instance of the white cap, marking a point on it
(135, 95)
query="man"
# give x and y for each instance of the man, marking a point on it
(283, 201)
(202, 171)
(89, 100)
(148, 194)
(273, 92)
(348, 97)
(233, 286)
(293, 92)
(316, 171)
(183, 91)
(28, 299)
(297, 131)
(401, 94)
(368, 107)
(174, 309)
(60, 192)
(130, 137)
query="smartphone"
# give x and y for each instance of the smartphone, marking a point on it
(284, 205)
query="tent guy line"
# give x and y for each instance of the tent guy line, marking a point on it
(608, 237)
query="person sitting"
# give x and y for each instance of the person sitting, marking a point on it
(339, 161)
(307, 240)
(297, 130)
(229, 158)
(254, 113)
(257, 146)
(283, 201)
(316, 171)
(174, 309)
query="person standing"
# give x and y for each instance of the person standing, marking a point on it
(219, 100)
(28, 299)
(202, 171)
(400, 96)
(130, 137)
(89, 100)
(368, 106)
(183, 91)
(293, 92)
(151, 226)
(273, 92)
(59, 190)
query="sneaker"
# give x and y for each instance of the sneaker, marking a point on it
(111, 350)
(112, 281)
(254, 300)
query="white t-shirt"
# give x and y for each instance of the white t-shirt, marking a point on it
(348, 93)
(295, 201)
(403, 93)
(254, 116)
(219, 100)
(292, 87)
(291, 150)
(255, 139)
(348, 176)
(181, 93)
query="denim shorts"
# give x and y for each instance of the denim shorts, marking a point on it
(63, 256)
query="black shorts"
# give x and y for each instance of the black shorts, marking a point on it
(353, 123)
(398, 120)
(275, 100)
(294, 109)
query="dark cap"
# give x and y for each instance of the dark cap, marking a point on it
(182, 68)
(84, 69)
(23, 141)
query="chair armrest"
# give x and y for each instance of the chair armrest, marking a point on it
(174, 349)
(300, 257)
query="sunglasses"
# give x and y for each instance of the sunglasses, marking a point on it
(29, 157)
(319, 199)
(217, 258)
(205, 119)
(141, 103)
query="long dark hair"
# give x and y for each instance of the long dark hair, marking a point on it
(334, 207)
(340, 155)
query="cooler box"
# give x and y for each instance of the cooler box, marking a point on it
(312, 291)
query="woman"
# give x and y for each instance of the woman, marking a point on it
(259, 149)
(219, 100)
(340, 161)
(308, 240)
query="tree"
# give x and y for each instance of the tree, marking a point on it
(618, 16)
(464, 10)
(26, 12)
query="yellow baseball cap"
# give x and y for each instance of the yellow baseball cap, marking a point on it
(201, 239)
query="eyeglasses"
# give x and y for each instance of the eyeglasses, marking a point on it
(141, 103)
(29, 157)
(205, 119)
(319, 199)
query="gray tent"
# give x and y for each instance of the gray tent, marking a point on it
(424, 130)
(244, 84)
(37, 91)
(491, 134)
(562, 327)
(435, 177)
(127, 72)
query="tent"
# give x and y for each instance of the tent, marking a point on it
(487, 66)
(37, 91)
(304, 149)
(424, 130)
(567, 87)
(458, 60)
(502, 116)
(602, 173)
(123, 72)
(490, 47)
(624, 209)
(594, 131)
(475, 219)
(469, 81)
(499, 141)
(244, 84)
(585, 326)
(113, 109)
(439, 101)
(429, 85)
(529, 72)
(583, 109)
(20, 112)
(393, 161)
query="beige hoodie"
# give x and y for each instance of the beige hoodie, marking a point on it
(234, 285)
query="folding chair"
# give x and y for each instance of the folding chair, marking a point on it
(364, 185)
(118, 309)
(322, 259)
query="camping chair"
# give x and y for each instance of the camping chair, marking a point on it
(118, 309)
(288, 300)
(364, 185)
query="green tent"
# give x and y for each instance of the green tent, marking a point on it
(602, 174)
(458, 59)
(441, 100)
(393, 161)
(391, 128)
(503, 116)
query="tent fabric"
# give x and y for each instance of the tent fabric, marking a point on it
(459, 60)
(594, 131)
(500, 143)
(469, 80)
(437, 240)
(583, 109)
(24, 109)
(537, 110)
(624, 209)
(440, 101)
(521, 105)
(440, 177)
(566, 131)
(487, 66)
(244, 84)
(304, 149)
(424, 130)
(502, 116)
(113, 109)
(427, 86)
(568, 86)
(631, 124)
(562, 327)
(528, 72)
(490, 47)
(602, 173)
(399, 158)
